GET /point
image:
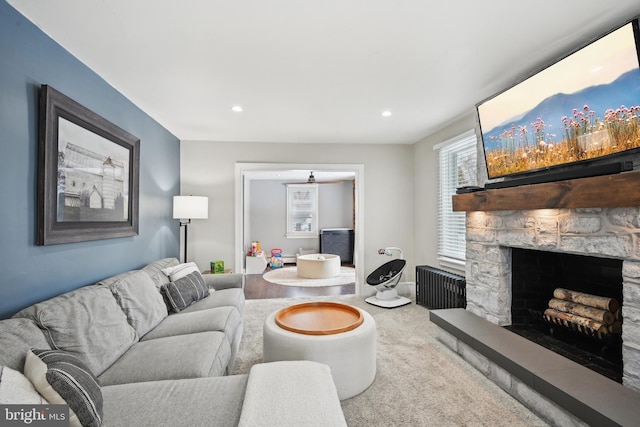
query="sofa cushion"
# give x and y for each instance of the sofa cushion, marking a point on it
(63, 379)
(223, 319)
(233, 297)
(140, 300)
(88, 323)
(154, 270)
(186, 290)
(113, 279)
(16, 337)
(198, 355)
(226, 319)
(15, 389)
(190, 402)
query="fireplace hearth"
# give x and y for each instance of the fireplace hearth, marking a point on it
(601, 356)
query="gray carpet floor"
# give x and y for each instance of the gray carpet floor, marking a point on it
(419, 381)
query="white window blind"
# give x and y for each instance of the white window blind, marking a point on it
(457, 168)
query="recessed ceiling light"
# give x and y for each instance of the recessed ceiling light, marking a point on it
(237, 108)
(386, 113)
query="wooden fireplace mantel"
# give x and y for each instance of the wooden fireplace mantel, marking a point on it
(607, 191)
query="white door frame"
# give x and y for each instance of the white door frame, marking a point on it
(242, 209)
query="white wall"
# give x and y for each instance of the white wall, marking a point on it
(207, 169)
(425, 166)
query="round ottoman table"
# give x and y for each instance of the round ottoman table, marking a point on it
(318, 266)
(338, 335)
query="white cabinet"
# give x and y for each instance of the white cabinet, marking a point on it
(255, 264)
(302, 210)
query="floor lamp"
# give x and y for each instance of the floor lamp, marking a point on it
(186, 208)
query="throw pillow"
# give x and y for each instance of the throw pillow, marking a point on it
(185, 291)
(140, 300)
(16, 389)
(63, 379)
(180, 270)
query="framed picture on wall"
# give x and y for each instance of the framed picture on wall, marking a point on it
(88, 172)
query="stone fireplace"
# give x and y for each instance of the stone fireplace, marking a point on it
(596, 217)
(611, 233)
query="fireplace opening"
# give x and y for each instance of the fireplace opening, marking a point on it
(592, 339)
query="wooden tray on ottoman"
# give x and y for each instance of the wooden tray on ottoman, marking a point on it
(319, 318)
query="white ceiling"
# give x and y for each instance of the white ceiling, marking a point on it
(317, 71)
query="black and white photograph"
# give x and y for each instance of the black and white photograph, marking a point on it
(93, 176)
(87, 174)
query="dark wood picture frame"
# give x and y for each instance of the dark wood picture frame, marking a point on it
(88, 174)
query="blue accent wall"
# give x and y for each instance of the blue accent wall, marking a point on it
(30, 273)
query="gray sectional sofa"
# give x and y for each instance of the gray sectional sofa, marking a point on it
(155, 367)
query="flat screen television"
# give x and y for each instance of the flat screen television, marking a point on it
(577, 112)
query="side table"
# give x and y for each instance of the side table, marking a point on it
(255, 264)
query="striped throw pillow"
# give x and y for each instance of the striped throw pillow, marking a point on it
(185, 291)
(62, 378)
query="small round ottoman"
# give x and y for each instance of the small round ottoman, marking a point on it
(351, 355)
(318, 266)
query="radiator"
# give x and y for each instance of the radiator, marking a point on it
(437, 288)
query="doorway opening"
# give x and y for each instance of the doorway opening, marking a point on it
(290, 172)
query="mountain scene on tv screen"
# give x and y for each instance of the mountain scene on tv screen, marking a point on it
(565, 128)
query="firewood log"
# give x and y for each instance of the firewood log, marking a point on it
(581, 323)
(616, 328)
(598, 314)
(605, 303)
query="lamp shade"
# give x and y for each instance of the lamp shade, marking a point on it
(190, 207)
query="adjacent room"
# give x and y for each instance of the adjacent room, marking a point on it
(383, 213)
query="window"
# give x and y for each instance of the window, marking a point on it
(302, 210)
(457, 168)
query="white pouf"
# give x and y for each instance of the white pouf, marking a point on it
(351, 355)
(318, 266)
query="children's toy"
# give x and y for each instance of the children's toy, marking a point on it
(255, 249)
(276, 258)
(217, 267)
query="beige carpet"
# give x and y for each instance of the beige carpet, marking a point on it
(288, 276)
(419, 382)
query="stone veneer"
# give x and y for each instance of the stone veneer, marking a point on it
(608, 233)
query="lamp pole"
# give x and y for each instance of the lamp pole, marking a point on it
(185, 223)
